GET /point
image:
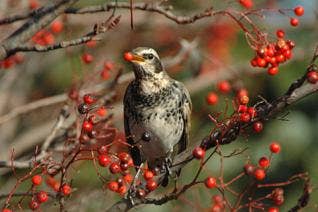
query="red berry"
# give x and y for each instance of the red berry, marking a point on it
(254, 62)
(148, 175)
(87, 58)
(48, 38)
(248, 4)
(122, 190)
(212, 98)
(89, 99)
(244, 100)
(299, 11)
(217, 199)
(128, 56)
(242, 109)
(280, 58)
(6, 210)
(275, 147)
(42, 196)
(273, 209)
(87, 126)
(288, 54)
(151, 185)
(34, 205)
(66, 190)
(290, 44)
(251, 111)
(210, 182)
(245, 117)
(57, 26)
(124, 157)
(294, 22)
(258, 126)
(141, 193)
(102, 150)
(101, 111)
(105, 75)
(108, 65)
(91, 43)
(312, 77)
(272, 70)
(114, 168)
(113, 186)
(104, 160)
(263, 162)
(217, 208)
(198, 153)
(224, 86)
(33, 4)
(37, 180)
(259, 174)
(280, 33)
(261, 62)
(242, 92)
(128, 178)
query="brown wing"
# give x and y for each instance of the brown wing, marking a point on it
(128, 107)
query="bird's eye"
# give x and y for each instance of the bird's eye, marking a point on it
(148, 56)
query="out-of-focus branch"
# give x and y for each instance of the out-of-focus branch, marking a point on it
(229, 133)
(42, 18)
(44, 149)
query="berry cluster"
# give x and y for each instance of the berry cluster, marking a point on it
(259, 172)
(105, 72)
(46, 37)
(278, 196)
(274, 54)
(217, 203)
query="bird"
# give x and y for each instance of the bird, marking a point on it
(157, 112)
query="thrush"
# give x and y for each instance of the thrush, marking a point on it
(157, 112)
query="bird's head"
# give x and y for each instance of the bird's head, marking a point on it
(146, 63)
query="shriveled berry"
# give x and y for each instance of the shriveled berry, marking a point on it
(259, 174)
(113, 186)
(102, 150)
(249, 169)
(104, 160)
(212, 98)
(83, 108)
(114, 168)
(210, 182)
(36, 180)
(148, 175)
(34, 205)
(42, 196)
(151, 185)
(198, 153)
(244, 100)
(275, 147)
(258, 126)
(141, 193)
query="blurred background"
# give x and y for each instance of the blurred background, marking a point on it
(200, 55)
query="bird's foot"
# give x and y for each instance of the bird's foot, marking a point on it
(131, 194)
(167, 166)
